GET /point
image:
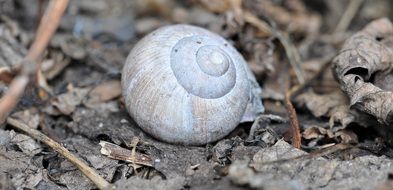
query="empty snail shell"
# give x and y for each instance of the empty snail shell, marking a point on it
(184, 84)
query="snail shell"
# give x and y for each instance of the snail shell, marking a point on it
(184, 84)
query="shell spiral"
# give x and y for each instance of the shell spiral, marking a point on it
(184, 84)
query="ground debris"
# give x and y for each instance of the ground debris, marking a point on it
(154, 184)
(78, 101)
(313, 173)
(67, 103)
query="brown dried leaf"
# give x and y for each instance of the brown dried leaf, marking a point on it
(366, 56)
(314, 132)
(346, 136)
(66, 103)
(321, 104)
(106, 91)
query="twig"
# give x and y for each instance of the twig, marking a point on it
(348, 15)
(45, 31)
(12, 96)
(295, 127)
(84, 168)
(262, 26)
(47, 28)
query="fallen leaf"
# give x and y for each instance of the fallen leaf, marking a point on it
(29, 116)
(66, 103)
(366, 56)
(106, 91)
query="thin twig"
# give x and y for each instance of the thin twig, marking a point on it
(134, 142)
(348, 15)
(12, 96)
(48, 26)
(295, 126)
(99, 181)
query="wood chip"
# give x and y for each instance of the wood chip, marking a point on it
(116, 152)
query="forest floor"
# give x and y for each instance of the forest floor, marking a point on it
(324, 67)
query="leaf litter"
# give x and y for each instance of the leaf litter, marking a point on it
(283, 41)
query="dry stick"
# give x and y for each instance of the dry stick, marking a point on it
(348, 15)
(295, 126)
(294, 60)
(47, 28)
(12, 96)
(48, 25)
(84, 168)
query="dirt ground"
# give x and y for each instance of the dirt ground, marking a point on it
(327, 120)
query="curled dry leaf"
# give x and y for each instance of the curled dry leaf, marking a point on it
(364, 70)
(316, 132)
(67, 103)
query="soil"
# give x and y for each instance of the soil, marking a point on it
(286, 43)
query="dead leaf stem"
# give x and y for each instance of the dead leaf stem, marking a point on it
(295, 126)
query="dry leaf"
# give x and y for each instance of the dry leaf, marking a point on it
(106, 91)
(66, 103)
(314, 132)
(28, 116)
(321, 104)
(365, 57)
(346, 136)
